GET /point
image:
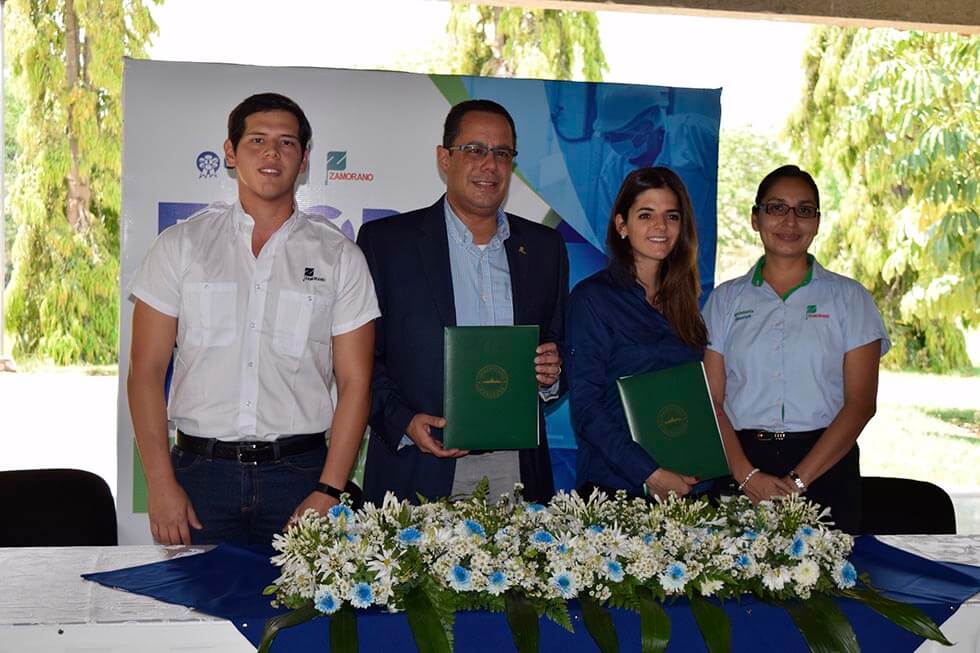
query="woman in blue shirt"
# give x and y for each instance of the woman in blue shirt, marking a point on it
(792, 360)
(640, 314)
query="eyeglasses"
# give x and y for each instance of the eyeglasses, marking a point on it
(477, 151)
(804, 212)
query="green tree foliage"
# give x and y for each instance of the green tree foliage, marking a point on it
(66, 61)
(744, 158)
(12, 108)
(518, 42)
(890, 125)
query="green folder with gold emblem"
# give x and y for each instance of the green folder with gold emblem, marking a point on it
(490, 399)
(671, 415)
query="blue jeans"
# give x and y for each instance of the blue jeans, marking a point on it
(242, 503)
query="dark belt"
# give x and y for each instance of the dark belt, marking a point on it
(251, 452)
(779, 436)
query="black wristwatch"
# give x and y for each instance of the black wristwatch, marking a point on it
(329, 490)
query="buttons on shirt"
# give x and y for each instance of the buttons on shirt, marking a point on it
(251, 363)
(251, 325)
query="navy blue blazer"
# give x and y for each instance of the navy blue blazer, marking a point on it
(408, 255)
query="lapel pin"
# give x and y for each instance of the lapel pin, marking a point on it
(522, 250)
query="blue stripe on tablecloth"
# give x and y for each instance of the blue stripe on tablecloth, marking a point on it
(227, 582)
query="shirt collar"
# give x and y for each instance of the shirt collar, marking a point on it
(811, 264)
(461, 233)
(243, 222)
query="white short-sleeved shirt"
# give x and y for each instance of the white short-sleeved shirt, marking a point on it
(784, 359)
(254, 356)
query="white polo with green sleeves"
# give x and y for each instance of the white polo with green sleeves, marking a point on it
(784, 356)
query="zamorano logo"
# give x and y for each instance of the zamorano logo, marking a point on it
(672, 420)
(337, 169)
(491, 381)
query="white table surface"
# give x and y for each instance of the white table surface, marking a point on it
(45, 606)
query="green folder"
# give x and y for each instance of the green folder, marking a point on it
(670, 413)
(491, 395)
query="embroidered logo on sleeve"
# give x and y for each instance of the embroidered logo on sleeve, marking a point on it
(744, 315)
(811, 312)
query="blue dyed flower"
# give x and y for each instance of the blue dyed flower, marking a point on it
(326, 602)
(460, 578)
(410, 536)
(648, 539)
(533, 508)
(744, 561)
(674, 577)
(562, 548)
(807, 532)
(750, 535)
(474, 528)
(565, 585)
(596, 528)
(497, 583)
(845, 575)
(361, 595)
(339, 512)
(614, 570)
(542, 539)
(797, 548)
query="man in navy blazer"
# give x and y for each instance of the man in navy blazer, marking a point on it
(460, 261)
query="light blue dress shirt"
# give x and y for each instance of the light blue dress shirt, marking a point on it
(481, 274)
(784, 356)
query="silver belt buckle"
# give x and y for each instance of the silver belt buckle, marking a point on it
(779, 436)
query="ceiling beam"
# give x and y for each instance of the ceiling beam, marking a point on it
(961, 16)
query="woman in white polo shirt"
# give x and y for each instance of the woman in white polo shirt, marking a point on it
(792, 360)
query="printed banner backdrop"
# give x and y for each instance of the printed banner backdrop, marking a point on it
(373, 155)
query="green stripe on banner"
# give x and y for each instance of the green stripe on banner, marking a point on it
(139, 482)
(451, 87)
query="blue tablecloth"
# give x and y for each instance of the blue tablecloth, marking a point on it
(228, 581)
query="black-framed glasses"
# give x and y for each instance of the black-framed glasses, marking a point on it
(804, 211)
(477, 151)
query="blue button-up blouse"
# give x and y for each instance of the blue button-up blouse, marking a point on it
(611, 332)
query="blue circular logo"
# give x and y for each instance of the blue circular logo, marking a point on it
(208, 163)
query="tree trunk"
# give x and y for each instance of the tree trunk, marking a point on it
(79, 191)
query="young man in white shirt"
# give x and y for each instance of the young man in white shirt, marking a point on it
(266, 306)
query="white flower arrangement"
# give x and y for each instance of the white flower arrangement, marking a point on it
(529, 559)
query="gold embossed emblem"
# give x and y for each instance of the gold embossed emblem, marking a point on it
(491, 381)
(672, 420)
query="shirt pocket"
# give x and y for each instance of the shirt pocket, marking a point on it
(211, 313)
(294, 314)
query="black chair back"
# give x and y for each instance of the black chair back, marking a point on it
(901, 506)
(56, 507)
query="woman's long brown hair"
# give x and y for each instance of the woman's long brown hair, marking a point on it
(679, 284)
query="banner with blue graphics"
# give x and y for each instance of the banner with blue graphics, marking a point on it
(373, 155)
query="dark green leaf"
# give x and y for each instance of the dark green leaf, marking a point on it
(343, 631)
(523, 621)
(600, 625)
(430, 637)
(654, 623)
(294, 618)
(557, 611)
(901, 614)
(713, 622)
(823, 625)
